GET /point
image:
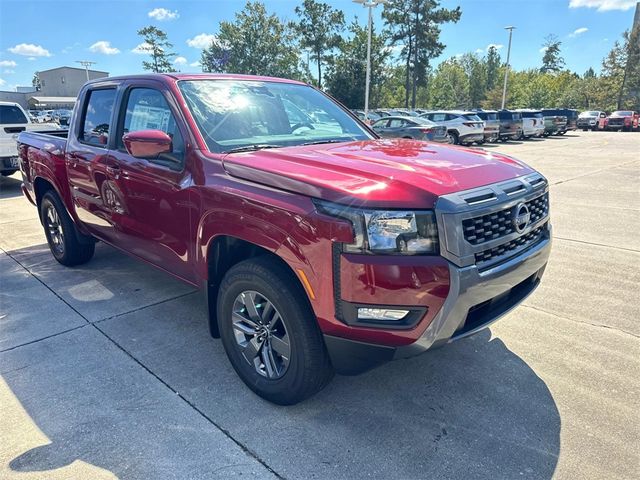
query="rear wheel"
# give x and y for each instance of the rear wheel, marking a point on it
(453, 138)
(269, 332)
(62, 235)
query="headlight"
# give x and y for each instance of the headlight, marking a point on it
(387, 231)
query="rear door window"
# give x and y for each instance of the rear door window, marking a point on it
(438, 117)
(382, 123)
(95, 124)
(11, 115)
(396, 123)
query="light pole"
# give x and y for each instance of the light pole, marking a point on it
(370, 4)
(506, 72)
(86, 64)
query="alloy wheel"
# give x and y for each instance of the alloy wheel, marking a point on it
(261, 334)
(54, 227)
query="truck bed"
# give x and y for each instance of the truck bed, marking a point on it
(53, 141)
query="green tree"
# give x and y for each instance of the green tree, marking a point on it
(415, 24)
(613, 73)
(493, 63)
(552, 61)
(157, 45)
(449, 87)
(256, 43)
(319, 28)
(629, 96)
(347, 76)
(476, 71)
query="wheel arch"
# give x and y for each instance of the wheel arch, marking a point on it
(223, 252)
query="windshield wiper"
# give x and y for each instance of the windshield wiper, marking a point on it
(320, 142)
(252, 148)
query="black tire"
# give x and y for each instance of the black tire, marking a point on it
(62, 236)
(454, 139)
(308, 368)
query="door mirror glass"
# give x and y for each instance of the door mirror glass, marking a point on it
(148, 144)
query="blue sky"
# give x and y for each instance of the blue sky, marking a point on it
(40, 34)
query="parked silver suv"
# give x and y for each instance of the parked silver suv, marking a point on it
(463, 127)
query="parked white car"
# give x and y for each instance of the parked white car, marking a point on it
(463, 127)
(13, 120)
(532, 123)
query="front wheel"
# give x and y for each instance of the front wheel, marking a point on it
(62, 236)
(269, 332)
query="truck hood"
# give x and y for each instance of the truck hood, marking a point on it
(377, 173)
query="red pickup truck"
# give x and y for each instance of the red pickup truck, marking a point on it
(623, 120)
(321, 248)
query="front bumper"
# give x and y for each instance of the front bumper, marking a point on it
(476, 300)
(462, 291)
(472, 137)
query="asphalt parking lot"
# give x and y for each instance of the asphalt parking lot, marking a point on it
(107, 370)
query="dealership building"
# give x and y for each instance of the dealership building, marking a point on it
(58, 88)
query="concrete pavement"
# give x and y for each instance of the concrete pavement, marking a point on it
(107, 369)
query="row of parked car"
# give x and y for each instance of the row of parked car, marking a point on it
(464, 127)
(59, 116)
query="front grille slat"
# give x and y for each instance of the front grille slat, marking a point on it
(495, 225)
(478, 230)
(527, 239)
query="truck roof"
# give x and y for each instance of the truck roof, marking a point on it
(195, 76)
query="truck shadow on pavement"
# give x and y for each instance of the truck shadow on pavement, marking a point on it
(472, 409)
(10, 186)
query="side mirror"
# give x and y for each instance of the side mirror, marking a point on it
(147, 143)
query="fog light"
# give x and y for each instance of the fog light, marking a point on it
(381, 314)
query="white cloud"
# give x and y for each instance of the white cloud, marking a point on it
(543, 50)
(479, 50)
(180, 61)
(603, 5)
(30, 50)
(201, 41)
(8, 63)
(195, 64)
(497, 46)
(31, 59)
(142, 49)
(9, 71)
(578, 31)
(2, 82)
(103, 47)
(162, 14)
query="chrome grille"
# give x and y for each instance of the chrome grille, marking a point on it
(494, 225)
(519, 243)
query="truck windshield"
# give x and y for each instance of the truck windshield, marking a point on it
(10, 114)
(233, 114)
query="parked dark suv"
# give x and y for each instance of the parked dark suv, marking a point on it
(491, 124)
(510, 125)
